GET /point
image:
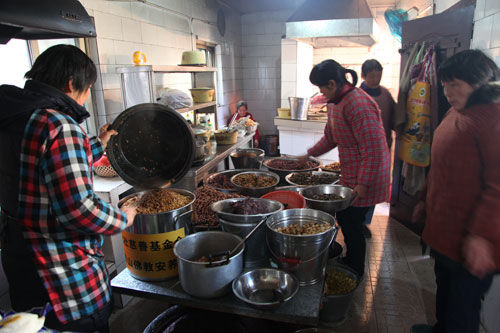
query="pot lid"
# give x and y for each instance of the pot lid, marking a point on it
(154, 146)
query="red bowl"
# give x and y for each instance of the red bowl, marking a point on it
(290, 199)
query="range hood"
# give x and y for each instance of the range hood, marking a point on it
(332, 23)
(37, 19)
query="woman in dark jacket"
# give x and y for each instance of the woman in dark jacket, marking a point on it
(54, 222)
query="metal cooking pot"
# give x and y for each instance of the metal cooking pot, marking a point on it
(162, 222)
(208, 279)
(151, 238)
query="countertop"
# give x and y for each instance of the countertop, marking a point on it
(301, 125)
(303, 308)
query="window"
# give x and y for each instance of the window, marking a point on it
(16, 61)
(209, 50)
(22, 54)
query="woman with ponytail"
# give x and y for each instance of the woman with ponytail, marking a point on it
(354, 126)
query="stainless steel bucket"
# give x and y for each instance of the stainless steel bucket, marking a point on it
(305, 256)
(299, 106)
(148, 244)
(162, 222)
(255, 255)
(247, 158)
(207, 280)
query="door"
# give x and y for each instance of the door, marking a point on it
(450, 32)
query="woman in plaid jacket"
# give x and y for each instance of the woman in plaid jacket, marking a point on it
(354, 126)
(54, 221)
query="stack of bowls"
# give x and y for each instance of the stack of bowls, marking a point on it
(255, 254)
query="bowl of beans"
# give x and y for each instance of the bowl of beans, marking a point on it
(221, 180)
(327, 198)
(282, 166)
(255, 183)
(312, 178)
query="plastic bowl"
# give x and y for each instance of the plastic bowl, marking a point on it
(290, 199)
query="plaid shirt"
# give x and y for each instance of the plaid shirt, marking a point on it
(62, 218)
(354, 126)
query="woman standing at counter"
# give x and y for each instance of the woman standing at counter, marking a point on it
(354, 126)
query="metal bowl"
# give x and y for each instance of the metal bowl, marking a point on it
(283, 173)
(265, 288)
(256, 191)
(228, 174)
(249, 158)
(328, 206)
(223, 207)
(318, 173)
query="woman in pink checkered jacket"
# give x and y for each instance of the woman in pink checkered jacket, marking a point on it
(355, 127)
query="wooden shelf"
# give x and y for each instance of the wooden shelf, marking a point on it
(197, 106)
(182, 69)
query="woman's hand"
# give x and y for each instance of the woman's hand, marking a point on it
(131, 212)
(478, 255)
(358, 192)
(105, 134)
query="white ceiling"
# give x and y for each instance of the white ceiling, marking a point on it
(250, 6)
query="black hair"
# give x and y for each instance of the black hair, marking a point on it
(371, 65)
(471, 66)
(328, 70)
(60, 63)
(240, 104)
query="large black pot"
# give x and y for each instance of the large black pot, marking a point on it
(155, 145)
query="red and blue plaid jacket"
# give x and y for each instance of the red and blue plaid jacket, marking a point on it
(355, 126)
(63, 219)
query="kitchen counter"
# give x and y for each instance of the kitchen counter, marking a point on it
(296, 136)
(303, 308)
(218, 154)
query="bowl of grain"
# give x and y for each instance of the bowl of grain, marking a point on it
(255, 183)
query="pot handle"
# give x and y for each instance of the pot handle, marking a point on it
(187, 225)
(298, 260)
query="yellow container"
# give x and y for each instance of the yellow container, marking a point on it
(150, 257)
(284, 113)
(202, 95)
(222, 137)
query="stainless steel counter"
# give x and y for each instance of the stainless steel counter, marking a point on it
(303, 308)
(218, 153)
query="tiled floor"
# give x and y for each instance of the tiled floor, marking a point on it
(398, 289)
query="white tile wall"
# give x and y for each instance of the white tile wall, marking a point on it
(162, 31)
(486, 35)
(262, 54)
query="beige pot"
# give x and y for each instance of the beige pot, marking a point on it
(202, 95)
(193, 58)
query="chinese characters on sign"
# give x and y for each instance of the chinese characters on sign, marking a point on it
(151, 255)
